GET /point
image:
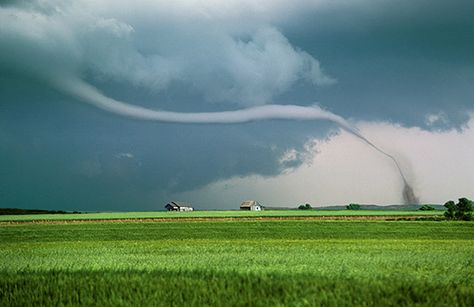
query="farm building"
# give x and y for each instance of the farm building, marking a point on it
(178, 206)
(252, 205)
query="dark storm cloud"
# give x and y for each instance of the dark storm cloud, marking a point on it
(122, 42)
(174, 52)
(399, 62)
(394, 60)
(61, 153)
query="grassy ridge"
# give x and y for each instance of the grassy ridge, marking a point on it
(238, 263)
(215, 214)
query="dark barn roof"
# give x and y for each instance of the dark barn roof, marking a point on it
(178, 204)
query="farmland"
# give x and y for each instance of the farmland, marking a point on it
(238, 262)
(216, 214)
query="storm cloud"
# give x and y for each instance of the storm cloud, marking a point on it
(406, 63)
(151, 45)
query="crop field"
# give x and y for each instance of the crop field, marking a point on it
(238, 263)
(217, 214)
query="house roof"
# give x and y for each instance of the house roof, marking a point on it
(249, 203)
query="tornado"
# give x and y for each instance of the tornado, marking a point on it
(89, 94)
(408, 194)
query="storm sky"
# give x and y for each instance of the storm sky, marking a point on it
(402, 72)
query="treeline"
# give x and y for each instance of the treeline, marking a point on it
(459, 211)
(17, 211)
(354, 206)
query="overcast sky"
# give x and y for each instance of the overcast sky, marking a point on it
(401, 72)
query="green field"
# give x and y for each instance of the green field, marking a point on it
(238, 262)
(216, 214)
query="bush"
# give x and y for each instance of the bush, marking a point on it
(353, 207)
(305, 207)
(426, 208)
(460, 211)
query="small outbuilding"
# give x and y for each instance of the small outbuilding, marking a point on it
(251, 205)
(178, 206)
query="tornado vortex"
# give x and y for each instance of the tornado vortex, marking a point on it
(91, 95)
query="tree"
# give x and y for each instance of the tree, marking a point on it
(305, 207)
(464, 211)
(426, 208)
(353, 207)
(451, 209)
(460, 211)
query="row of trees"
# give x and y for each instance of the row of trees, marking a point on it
(353, 207)
(459, 211)
(426, 208)
(305, 207)
(349, 207)
(462, 210)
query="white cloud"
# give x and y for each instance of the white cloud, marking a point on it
(434, 119)
(227, 51)
(438, 164)
(289, 156)
(124, 155)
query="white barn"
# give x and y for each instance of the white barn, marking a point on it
(251, 205)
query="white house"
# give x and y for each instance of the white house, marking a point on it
(178, 206)
(251, 205)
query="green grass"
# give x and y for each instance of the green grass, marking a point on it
(239, 262)
(216, 214)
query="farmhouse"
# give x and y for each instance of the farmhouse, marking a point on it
(252, 205)
(178, 206)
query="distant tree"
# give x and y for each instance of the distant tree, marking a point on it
(353, 207)
(451, 209)
(305, 207)
(464, 209)
(426, 208)
(460, 211)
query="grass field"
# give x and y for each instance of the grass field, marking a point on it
(239, 263)
(216, 214)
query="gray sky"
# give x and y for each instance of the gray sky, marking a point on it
(401, 72)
